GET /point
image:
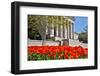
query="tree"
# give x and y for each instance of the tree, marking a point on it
(49, 24)
(39, 23)
(32, 31)
(83, 36)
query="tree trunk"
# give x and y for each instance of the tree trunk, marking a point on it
(43, 42)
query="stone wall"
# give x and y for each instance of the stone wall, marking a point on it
(39, 43)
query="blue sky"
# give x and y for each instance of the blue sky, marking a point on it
(80, 23)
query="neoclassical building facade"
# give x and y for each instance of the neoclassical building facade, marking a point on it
(60, 27)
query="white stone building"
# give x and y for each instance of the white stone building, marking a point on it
(63, 30)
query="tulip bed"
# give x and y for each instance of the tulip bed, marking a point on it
(56, 52)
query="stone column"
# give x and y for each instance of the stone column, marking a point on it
(59, 28)
(68, 30)
(63, 29)
(51, 28)
(71, 26)
(72, 30)
(55, 26)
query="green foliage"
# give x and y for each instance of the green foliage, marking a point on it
(36, 27)
(83, 37)
(33, 34)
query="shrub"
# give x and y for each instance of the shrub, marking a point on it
(83, 37)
